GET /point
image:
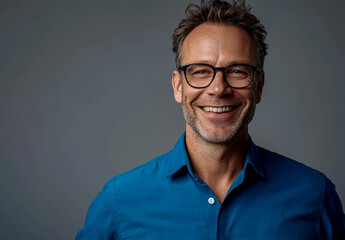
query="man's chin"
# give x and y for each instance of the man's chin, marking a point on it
(217, 136)
(212, 132)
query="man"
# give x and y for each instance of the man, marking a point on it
(216, 183)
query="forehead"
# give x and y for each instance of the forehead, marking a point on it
(218, 44)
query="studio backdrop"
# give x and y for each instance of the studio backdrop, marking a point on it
(85, 94)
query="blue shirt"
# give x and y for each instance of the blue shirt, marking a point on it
(272, 198)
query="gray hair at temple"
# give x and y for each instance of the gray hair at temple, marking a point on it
(221, 12)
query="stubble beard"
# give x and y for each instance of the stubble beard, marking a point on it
(240, 124)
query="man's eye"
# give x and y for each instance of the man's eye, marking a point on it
(237, 72)
(201, 72)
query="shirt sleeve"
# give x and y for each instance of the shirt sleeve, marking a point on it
(332, 215)
(100, 221)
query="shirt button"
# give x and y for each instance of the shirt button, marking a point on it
(211, 201)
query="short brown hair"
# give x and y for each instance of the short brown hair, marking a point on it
(217, 11)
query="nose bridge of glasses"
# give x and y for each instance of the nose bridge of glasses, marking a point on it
(222, 70)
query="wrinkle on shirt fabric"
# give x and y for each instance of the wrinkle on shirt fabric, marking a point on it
(273, 197)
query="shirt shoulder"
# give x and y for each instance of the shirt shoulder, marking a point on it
(145, 175)
(303, 189)
(155, 171)
(279, 167)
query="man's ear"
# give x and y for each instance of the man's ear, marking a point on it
(260, 85)
(177, 86)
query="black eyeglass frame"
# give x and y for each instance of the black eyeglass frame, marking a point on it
(215, 69)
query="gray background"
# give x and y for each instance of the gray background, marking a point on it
(85, 94)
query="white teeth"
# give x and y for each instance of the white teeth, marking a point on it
(217, 110)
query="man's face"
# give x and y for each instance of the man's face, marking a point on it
(220, 46)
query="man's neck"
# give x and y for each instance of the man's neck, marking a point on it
(217, 164)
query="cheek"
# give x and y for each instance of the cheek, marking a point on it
(190, 94)
(249, 95)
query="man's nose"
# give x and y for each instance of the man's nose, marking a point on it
(219, 87)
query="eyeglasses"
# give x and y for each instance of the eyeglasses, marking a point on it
(201, 75)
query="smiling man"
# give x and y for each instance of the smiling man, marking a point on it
(218, 104)
(216, 183)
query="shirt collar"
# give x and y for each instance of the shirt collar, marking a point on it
(253, 159)
(178, 158)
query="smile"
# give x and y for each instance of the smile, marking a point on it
(217, 109)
